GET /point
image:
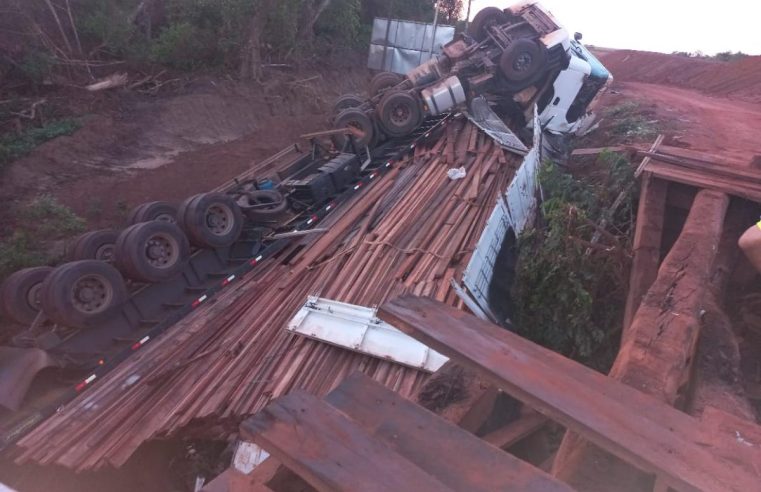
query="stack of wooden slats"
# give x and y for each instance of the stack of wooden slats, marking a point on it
(410, 232)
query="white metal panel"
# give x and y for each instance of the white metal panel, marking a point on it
(248, 456)
(515, 210)
(359, 329)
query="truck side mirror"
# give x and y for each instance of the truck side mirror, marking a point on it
(577, 36)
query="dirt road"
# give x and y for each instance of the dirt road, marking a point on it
(729, 129)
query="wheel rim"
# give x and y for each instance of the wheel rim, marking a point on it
(33, 296)
(523, 62)
(166, 217)
(105, 252)
(162, 251)
(91, 294)
(219, 219)
(400, 114)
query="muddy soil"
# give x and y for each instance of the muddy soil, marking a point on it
(134, 148)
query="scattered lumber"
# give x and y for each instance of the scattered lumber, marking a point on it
(405, 435)
(657, 354)
(626, 422)
(330, 451)
(646, 160)
(412, 230)
(731, 180)
(646, 249)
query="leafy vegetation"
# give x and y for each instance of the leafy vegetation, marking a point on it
(193, 34)
(14, 146)
(630, 123)
(41, 223)
(569, 291)
(725, 56)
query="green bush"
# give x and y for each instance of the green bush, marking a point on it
(108, 23)
(40, 223)
(13, 147)
(185, 46)
(566, 299)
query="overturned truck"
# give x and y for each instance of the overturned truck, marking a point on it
(518, 57)
(122, 289)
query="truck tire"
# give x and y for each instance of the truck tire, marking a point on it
(347, 101)
(358, 120)
(399, 113)
(490, 16)
(161, 211)
(384, 81)
(262, 205)
(95, 245)
(522, 63)
(211, 220)
(20, 294)
(82, 293)
(152, 251)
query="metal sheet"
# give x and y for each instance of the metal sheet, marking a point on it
(248, 456)
(515, 210)
(399, 46)
(487, 120)
(358, 329)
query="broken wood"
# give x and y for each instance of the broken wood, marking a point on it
(657, 354)
(646, 249)
(451, 454)
(331, 452)
(646, 160)
(628, 423)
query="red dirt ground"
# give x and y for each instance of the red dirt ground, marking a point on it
(725, 128)
(739, 79)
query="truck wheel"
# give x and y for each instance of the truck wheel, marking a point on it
(211, 220)
(399, 113)
(347, 101)
(161, 211)
(152, 251)
(522, 62)
(262, 205)
(383, 82)
(95, 245)
(81, 293)
(486, 18)
(357, 120)
(20, 294)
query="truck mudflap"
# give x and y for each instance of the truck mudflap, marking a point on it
(18, 368)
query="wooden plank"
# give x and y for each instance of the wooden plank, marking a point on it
(647, 244)
(329, 451)
(659, 350)
(624, 421)
(453, 455)
(739, 186)
(646, 160)
(514, 432)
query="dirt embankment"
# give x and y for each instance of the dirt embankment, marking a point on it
(134, 148)
(740, 79)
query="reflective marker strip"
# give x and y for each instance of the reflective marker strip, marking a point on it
(228, 280)
(91, 379)
(144, 340)
(198, 301)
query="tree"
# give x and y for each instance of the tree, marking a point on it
(451, 10)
